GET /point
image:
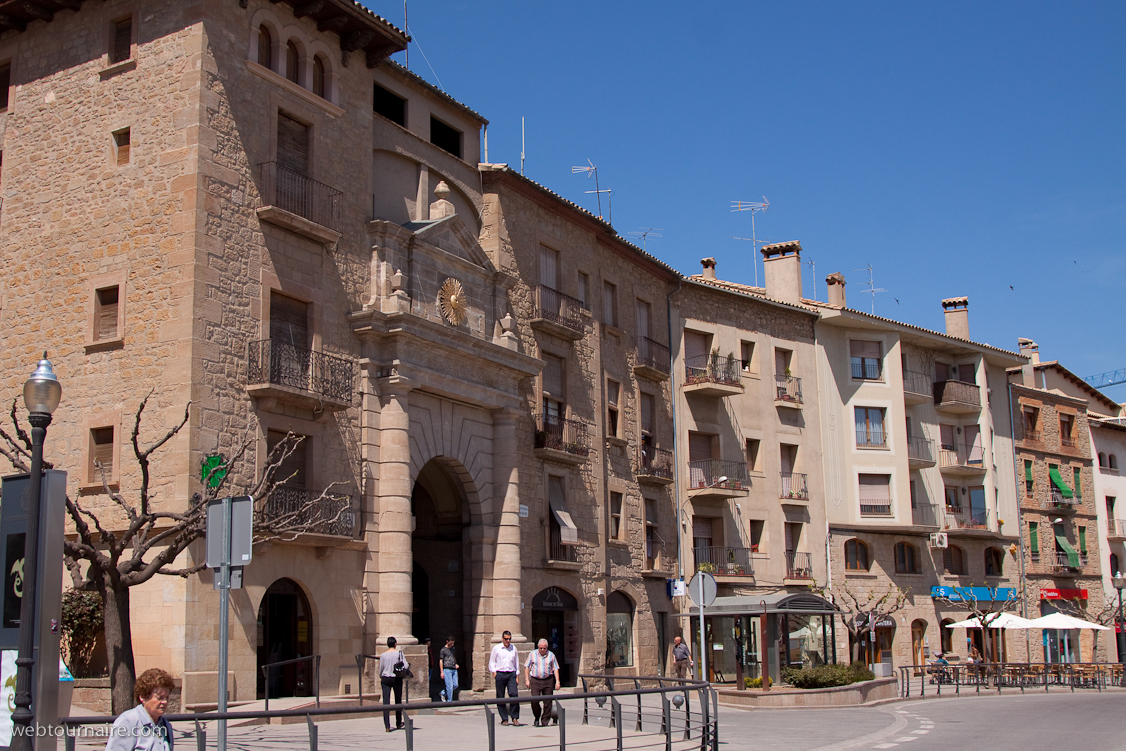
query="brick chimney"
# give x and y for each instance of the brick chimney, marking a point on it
(835, 283)
(709, 267)
(957, 311)
(781, 265)
(1031, 350)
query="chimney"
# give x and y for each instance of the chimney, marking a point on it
(957, 311)
(1031, 350)
(781, 265)
(709, 267)
(835, 282)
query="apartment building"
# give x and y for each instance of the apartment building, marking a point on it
(918, 467)
(751, 501)
(1067, 433)
(249, 207)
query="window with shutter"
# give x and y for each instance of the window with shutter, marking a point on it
(289, 320)
(122, 41)
(866, 358)
(293, 146)
(292, 61)
(265, 47)
(609, 304)
(5, 84)
(292, 470)
(613, 394)
(549, 267)
(106, 313)
(647, 402)
(101, 454)
(1034, 538)
(122, 145)
(584, 283)
(699, 446)
(616, 528)
(643, 313)
(319, 76)
(695, 346)
(702, 531)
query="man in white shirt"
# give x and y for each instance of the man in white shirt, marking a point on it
(504, 664)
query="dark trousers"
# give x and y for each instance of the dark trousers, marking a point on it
(389, 685)
(542, 687)
(508, 682)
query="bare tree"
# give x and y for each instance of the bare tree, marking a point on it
(985, 605)
(126, 544)
(861, 609)
(1107, 616)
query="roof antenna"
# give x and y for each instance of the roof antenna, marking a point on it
(407, 29)
(592, 170)
(646, 231)
(609, 199)
(872, 290)
(813, 270)
(522, 143)
(751, 207)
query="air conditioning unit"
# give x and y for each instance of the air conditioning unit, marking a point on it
(939, 540)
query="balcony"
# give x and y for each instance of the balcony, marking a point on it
(787, 391)
(961, 517)
(1057, 501)
(865, 369)
(712, 375)
(961, 459)
(1029, 436)
(925, 515)
(652, 359)
(1116, 530)
(1067, 442)
(660, 557)
(720, 561)
(283, 373)
(916, 388)
(654, 465)
(873, 438)
(715, 478)
(798, 565)
(557, 314)
(1059, 563)
(557, 552)
(920, 452)
(957, 397)
(300, 204)
(561, 441)
(314, 513)
(794, 488)
(878, 507)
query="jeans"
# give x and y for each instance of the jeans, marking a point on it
(389, 685)
(509, 682)
(450, 676)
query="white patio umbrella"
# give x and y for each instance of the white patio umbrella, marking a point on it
(1005, 621)
(1064, 621)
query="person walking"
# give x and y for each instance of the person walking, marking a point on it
(449, 669)
(504, 664)
(143, 728)
(393, 667)
(681, 658)
(541, 678)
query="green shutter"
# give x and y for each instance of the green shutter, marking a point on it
(1078, 484)
(1034, 537)
(1083, 540)
(1028, 470)
(1072, 554)
(1054, 473)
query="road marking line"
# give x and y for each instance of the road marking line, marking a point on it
(906, 739)
(886, 745)
(921, 732)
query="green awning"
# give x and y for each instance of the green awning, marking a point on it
(1072, 556)
(1054, 473)
(1028, 471)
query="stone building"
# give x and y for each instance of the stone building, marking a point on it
(918, 463)
(1068, 501)
(249, 207)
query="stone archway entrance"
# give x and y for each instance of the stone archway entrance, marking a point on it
(285, 632)
(440, 584)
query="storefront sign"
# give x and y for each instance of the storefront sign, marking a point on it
(979, 594)
(554, 598)
(1063, 594)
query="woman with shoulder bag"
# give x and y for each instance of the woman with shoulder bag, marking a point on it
(393, 667)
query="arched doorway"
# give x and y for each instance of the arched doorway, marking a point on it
(285, 632)
(918, 644)
(619, 630)
(440, 584)
(555, 614)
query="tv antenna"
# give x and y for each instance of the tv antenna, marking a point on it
(522, 144)
(609, 199)
(753, 208)
(813, 270)
(591, 170)
(872, 289)
(645, 232)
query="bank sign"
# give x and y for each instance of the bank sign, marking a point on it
(974, 594)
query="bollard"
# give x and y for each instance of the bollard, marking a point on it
(490, 726)
(715, 719)
(200, 738)
(410, 734)
(312, 733)
(562, 726)
(637, 687)
(616, 718)
(586, 706)
(68, 740)
(687, 718)
(705, 722)
(666, 721)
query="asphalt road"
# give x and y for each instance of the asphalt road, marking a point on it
(1055, 722)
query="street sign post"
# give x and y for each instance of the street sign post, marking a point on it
(702, 591)
(230, 538)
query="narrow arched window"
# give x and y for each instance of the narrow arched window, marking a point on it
(856, 556)
(994, 562)
(905, 562)
(265, 47)
(291, 60)
(319, 76)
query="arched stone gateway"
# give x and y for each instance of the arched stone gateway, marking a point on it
(285, 632)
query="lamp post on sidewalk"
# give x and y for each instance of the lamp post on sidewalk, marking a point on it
(41, 394)
(1119, 582)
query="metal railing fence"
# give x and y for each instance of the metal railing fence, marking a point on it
(1001, 675)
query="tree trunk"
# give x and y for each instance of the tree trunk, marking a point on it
(119, 646)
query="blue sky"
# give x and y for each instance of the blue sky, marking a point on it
(958, 148)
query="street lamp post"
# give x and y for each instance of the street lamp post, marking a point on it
(1119, 582)
(41, 394)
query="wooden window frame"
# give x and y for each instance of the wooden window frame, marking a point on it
(91, 480)
(93, 285)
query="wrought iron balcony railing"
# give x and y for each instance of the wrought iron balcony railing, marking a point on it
(917, 383)
(920, 450)
(557, 551)
(717, 473)
(1067, 441)
(1060, 563)
(1057, 498)
(713, 369)
(962, 517)
(562, 435)
(310, 511)
(722, 561)
(655, 462)
(788, 389)
(961, 454)
(798, 565)
(552, 305)
(1028, 435)
(866, 369)
(875, 507)
(652, 354)
(273, 362)
(301, 195)
(956, 393)
(871, 438)
(794, 486)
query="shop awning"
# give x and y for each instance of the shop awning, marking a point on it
(776, 602)
(568, 532)
(1064, 621)
(1054, 473)
(1072, 555)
